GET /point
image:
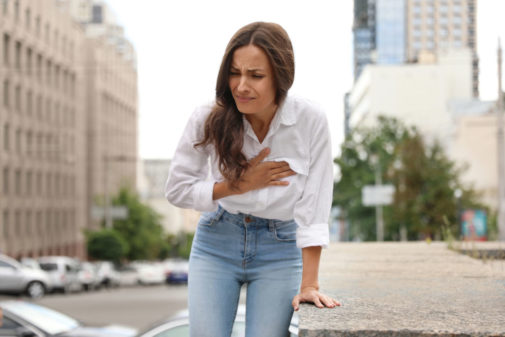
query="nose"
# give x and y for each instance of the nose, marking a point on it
(242, 84)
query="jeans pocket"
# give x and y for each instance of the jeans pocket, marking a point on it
(285, 231)
(209, 218)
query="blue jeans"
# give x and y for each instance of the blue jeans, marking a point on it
(230, 250)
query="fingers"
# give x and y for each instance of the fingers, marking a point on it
(329, 302)
(285, 174)
(260, 157)
(296, 302)
(319, 300)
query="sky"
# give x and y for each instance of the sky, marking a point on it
(180, 44)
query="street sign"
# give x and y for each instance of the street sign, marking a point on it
(377, 195)
(115, 212)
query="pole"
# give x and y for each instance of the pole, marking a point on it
(378, 209)
(501, 152)
(108, 219)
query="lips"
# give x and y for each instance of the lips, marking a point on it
(242, 99)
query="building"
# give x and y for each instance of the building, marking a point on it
(68, 116)
(417, 94)
(153, 175)
(42, 118)
(409, 31)
(111, 102)
(476, 128)
(437, 98)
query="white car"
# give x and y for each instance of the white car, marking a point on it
(149, 273)
(63, 271)
(18, 279)
(108, 276)
(88, 276)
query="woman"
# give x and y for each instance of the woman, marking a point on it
(267, 202)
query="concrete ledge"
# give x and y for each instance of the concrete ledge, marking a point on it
(407, 289)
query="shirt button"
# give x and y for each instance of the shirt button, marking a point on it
(248, 219)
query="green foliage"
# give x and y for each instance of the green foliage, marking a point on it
(179, 245)
(107, 245)
(423, 176)
(142, 229)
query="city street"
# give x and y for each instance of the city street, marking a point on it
(137, 307)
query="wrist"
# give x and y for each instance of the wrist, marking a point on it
(309, 287)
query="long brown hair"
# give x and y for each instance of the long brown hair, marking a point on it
(224, 127)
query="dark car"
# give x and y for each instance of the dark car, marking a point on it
(178, 326)
(26, 319)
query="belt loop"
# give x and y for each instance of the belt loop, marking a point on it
(271, 225)
(219, 213)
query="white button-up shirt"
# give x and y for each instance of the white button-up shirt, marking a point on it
(299, 135)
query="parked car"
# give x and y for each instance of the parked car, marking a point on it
(63, 271)
(30, 263)
(108, 276)
(18, 279)
(25, 319)
(128, 276)
(149, 273)
(176, 271)
(178, 326)
(88, 276)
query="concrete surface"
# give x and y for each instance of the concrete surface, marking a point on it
(407, 289)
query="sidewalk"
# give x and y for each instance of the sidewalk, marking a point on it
(407, 289)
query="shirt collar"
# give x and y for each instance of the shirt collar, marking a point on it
(285, 114)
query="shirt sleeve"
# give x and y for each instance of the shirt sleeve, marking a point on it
(312, 211)
(188, 185)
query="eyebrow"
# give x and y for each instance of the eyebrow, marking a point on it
(248, 70)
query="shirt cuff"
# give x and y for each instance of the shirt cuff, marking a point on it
(203, 196)
(313, 235)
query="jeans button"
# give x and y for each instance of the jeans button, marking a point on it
(248, 219)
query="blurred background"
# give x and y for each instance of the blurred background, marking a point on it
(95, 94)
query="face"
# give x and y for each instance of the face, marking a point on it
(252, 83)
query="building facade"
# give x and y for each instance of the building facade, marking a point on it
(68, 117)
(42, 118)
(417, 94)
(410, 31)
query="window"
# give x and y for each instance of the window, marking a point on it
(17, 182)
(18, 140)
(6, 48)
(29, 143)
(37, 25)
(17, 222)
(97, 15)
(17, 98)
(16, 10)
(6, 137)
(6, 225)
(39, 67)
(29, 182)
(49, 68)
(6, 176)
(47, 32)
(28, 18)
(29, 61)
(38, 184)
(29, 103)
(40, 112)
(6, 94)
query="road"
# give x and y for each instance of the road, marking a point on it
(137, 307)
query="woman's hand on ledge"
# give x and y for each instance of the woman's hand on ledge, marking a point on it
(312, 295)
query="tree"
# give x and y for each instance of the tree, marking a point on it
(142, 228)
(107, 245)
(423, 176)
